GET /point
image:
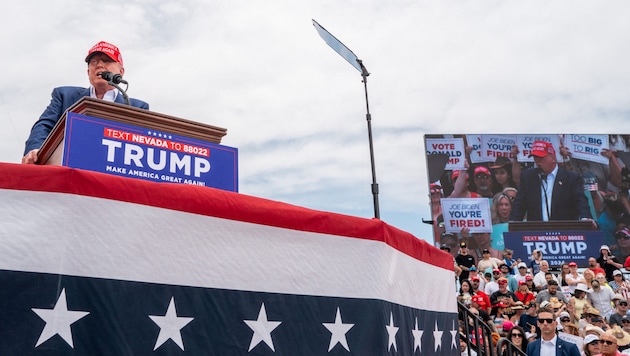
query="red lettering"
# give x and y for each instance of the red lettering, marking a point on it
(443, 146)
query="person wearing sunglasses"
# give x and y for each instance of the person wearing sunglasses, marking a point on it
(620, 311)
(608, 262)
(625, 323)
(592, 345)
(516, 335)
(622, 240)
(608, 344)
(549, 343)
(621, 337)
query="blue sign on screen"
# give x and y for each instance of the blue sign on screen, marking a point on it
(557, 247)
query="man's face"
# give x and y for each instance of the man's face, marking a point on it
(475, 284)
(483, 181)
(592, 263)
(100, 62)
(522, 271)
(608, 344)
(503, 286)
(462, 345)
(544, 266)
(547, 324)
(547, 163)
(595, 284)
(623, 307)
(511, 194)
(552, 289)
(531, 310)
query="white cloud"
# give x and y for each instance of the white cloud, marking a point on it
(296, 110)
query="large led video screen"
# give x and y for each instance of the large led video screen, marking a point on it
(571, 189)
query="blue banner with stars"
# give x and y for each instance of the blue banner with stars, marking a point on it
(94, 264)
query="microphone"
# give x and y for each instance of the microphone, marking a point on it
(114, 80)
(111, 77)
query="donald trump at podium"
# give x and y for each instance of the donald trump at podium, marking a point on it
(102, 57)
(548, 192)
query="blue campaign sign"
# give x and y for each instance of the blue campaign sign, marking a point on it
(125, 150)
(557, 247)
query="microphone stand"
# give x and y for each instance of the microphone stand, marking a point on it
(124, 93)
(368, 116)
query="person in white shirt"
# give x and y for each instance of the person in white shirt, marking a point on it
(549, 343)
(601, 298)
(540, 281)
(573, 278)
(522, 272)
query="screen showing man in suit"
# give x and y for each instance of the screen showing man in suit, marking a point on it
(554, 177)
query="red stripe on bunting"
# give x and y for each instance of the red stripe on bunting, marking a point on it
(217, 203)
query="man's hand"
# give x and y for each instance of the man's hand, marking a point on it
(593, 222)
(31, 157)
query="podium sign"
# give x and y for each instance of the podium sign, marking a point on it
(557, 247)
(121, 149)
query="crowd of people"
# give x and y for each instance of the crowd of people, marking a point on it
(527, 303)
(580, 311)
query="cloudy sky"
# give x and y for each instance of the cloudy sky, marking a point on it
(296, 110)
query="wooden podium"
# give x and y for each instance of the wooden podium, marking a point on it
(52, 148)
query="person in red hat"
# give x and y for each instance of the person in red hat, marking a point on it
(573, 278)
(548, 192)
(100, 58)
(482, 179)
(461, 186)
(503, 295)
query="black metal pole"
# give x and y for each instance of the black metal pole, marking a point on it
(368, 117)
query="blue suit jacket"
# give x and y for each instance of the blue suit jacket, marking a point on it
(62, 99)
(563, 348)
(568, 201)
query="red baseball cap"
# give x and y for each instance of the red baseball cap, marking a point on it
(542, 149)
(482, 170)
(107, 49)
(572, 264)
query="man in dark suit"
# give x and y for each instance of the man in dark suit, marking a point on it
(548, 192)
(549, 343)
(101, 57)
